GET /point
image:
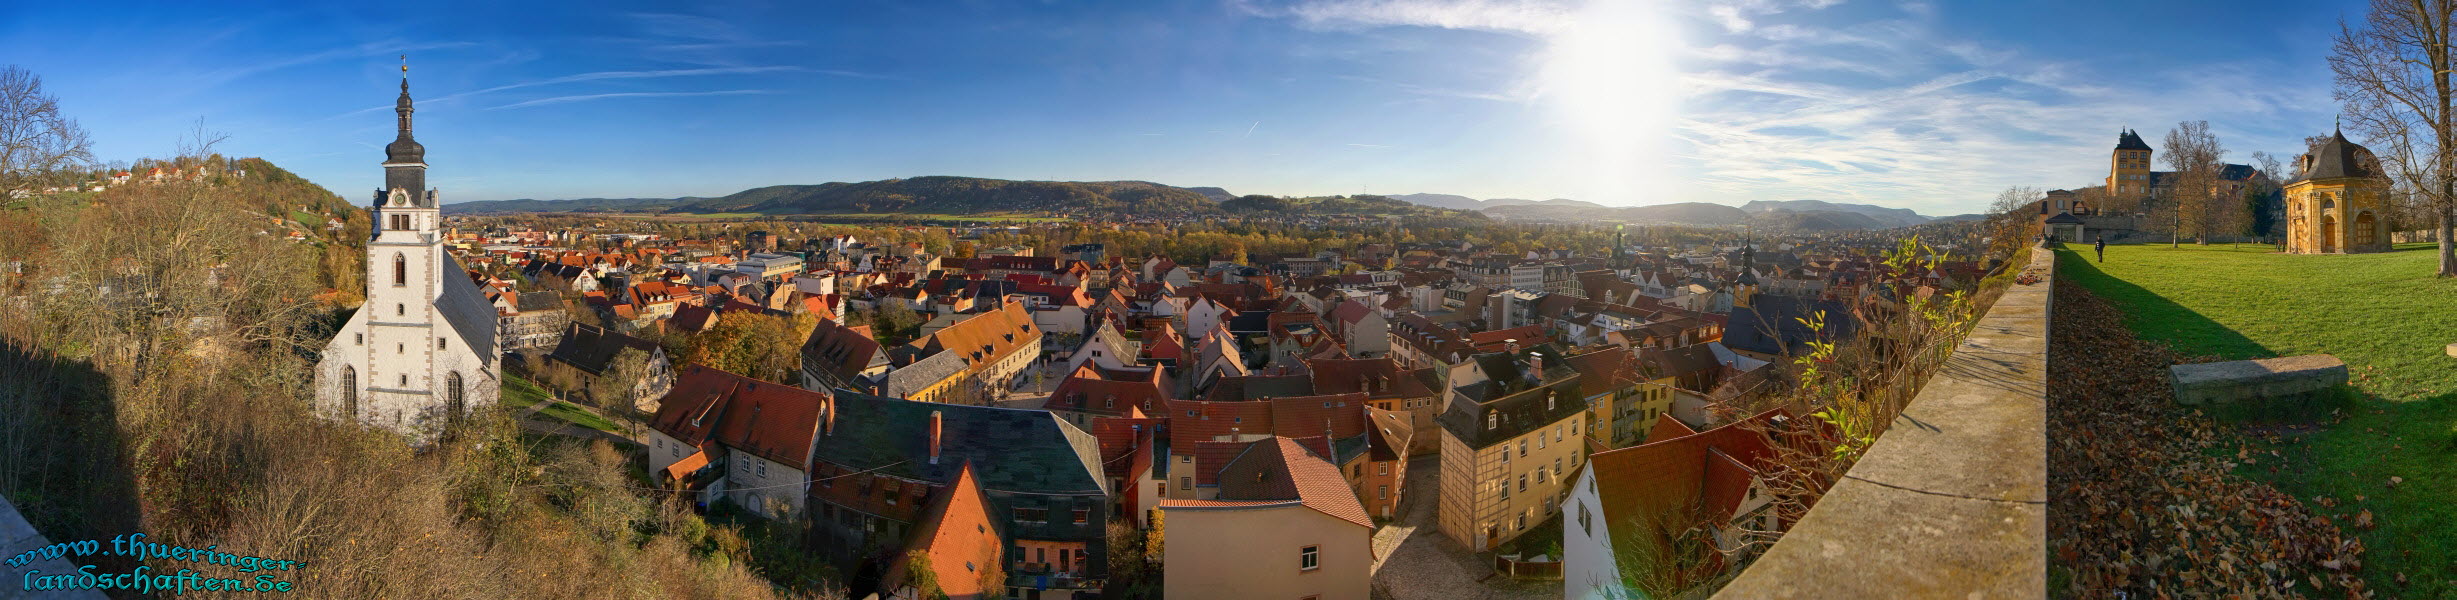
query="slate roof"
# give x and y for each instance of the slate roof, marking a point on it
(2130, 141)
(2339, 158)
(905, 381)
(536, 301)
(591, 348)
(1012, 450)
(1379, 377)
(1770, 325)
(841, 351)
(1518, 401)
(467, 310)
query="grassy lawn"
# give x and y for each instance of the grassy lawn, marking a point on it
(519, 394)
(2386, 316)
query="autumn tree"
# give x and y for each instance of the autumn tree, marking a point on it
(2392, 73)
(2193, 196)
(37, 143)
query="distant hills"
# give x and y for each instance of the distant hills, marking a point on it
(1885, 217)
(958, 196)
(1802, 215)
(917, 195)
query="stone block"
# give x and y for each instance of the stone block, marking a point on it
(2285, 377)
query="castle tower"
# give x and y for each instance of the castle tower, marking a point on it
(2338, 205)
(420, 353)
(2128, 167)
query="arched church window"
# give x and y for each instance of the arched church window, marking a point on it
(454, 400)
(349, 391)
(400, 270)
(2327, 201)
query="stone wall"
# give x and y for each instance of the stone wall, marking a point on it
(1952, 501)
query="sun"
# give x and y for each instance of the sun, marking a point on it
(1607, 78)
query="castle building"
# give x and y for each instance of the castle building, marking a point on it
(421, 352)
(2128, 167)
(2336, 206)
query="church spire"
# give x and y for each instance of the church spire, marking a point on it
(403, 148)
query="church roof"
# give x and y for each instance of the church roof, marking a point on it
(2130, 141)
(2338, 158)
(467, 309)
(2064, 218)
(403, 149)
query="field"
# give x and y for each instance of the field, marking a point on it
(519, 394)
(2393, 451)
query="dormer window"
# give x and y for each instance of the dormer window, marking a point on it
(1492, 421)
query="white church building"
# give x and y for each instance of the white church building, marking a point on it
(421, 352)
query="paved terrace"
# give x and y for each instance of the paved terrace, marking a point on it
(1952, 501)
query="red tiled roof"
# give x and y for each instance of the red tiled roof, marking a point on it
(767, 419)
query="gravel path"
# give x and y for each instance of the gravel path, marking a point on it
(1416, 561)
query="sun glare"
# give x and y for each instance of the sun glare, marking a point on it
(1608, 80)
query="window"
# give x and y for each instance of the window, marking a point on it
(1382, 492)
(1309, 558)
(1185, 483)
(1556, 467)
(1522, 448)
(1382, 468)
(400, 309)
(1522, 482)
(439, 343)
(404, 380)
(1492, 421)
(1586, 522)
(358, 338)
(1083, 516)
(1539, 440)
(1032, 515)
(763, 474)
(400, 270)
(349, 391)
(455, 400)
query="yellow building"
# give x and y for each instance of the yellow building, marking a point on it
(1282, 526)
(2128, 167)
(2338, 205)
(1513, 433)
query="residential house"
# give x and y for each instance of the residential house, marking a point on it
(1512, 431)
(736, 439)
(878, 461)
(1282, 526)
(590, 352)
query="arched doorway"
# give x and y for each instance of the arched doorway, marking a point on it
(2328, 234)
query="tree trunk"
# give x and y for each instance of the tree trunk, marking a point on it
(2448, 171)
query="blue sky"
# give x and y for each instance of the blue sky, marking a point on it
(1933, 106)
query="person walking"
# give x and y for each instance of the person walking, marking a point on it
(2101, 246)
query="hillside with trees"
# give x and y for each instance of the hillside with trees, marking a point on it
(959, 195)
(167, 391)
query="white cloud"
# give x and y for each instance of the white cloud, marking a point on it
(1783, 102)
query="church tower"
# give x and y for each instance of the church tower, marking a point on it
(420, 353)
(2128, 167)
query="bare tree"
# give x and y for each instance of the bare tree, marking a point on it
(2393, 76)
(36, 143)
(2192, 198)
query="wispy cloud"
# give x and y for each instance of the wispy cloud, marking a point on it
(1514, 16)
(605, 76)
(588, 97)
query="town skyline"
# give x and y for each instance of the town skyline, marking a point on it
(1931, 107)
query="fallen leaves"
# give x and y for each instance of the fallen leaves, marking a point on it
(2144, 499)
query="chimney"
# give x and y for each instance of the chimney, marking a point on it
(934, 429)
(1535, 365)
(1511, 345)
(827, 416)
